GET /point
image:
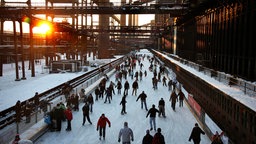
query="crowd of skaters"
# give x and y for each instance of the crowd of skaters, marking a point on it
(62, 113)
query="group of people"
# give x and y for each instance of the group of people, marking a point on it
(126, 135)
(61, 113)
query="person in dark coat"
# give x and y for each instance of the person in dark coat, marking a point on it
(158, 137)
(170, 85)
(195, 134)
(164, 81)
(147, 139)
(108, 95)
(36, 101)
(181, 98)
(53, 122)
(154, 82)
(86, 113)
(76, 102)
(101, 125)
(102, 88)
(123, 103)
(135, 87)
(173, 99)
(174, 82)
(140, 74)
(111, 86)
(145, 73)
(18, 111)
(58, 112)
(152, 112)
(143, 98)
(126, 88)
(136, 75)
(66, 90)
(161, 106)
(97, 93)
(119, 87)
(90, 101)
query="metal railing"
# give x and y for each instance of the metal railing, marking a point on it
(247, 87)
(7, 116)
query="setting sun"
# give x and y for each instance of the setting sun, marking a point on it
(43, 28)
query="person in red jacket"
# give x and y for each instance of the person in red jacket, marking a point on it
(69, 117)
(101, 125)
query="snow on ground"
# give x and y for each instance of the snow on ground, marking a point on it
(176, 127)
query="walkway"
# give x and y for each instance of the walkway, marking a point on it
(176, 127)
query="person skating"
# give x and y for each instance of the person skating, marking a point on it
(126, 133)
(102, 88)
(126, 87)
(147, 139)
(159, 75)
(152, 114)
(140, 74)
(119, 87)
(101, 125)
(108, 95)
(136, 75)
(141, 65)
(111, 87)
(123, 103)
(97, 93)
(164, 81)
(145, 73)
(154, 82)
(196, 134)
(90, 101)
(173, 99)
(69, 117)
(169, 85)
(158, 137)
(135, 87)
(143, 98)
(181, 98)
(86, 113)
(161, 106)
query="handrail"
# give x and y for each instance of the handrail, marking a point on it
(7, 116)
(247, 87)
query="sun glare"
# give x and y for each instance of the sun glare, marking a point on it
(43, 28)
